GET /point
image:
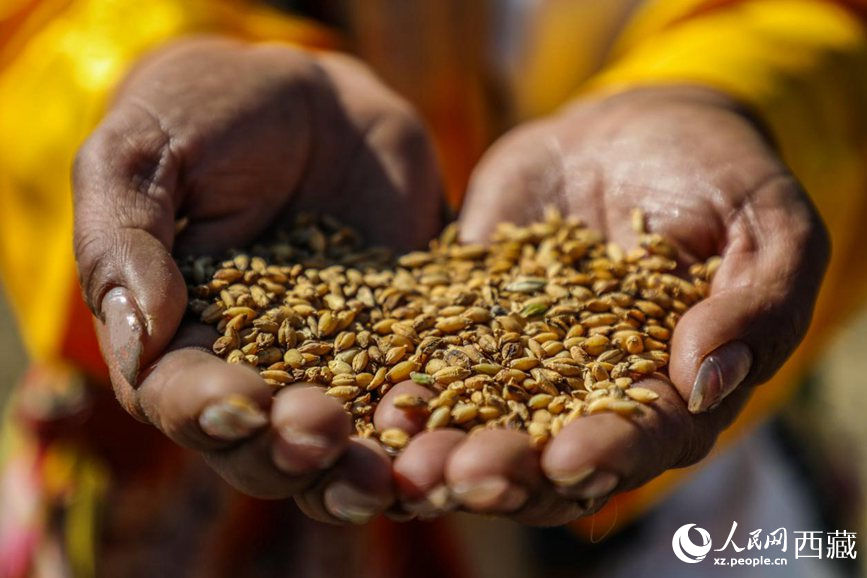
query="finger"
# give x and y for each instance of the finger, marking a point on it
(498, 472)
(761, 299)
(192, 397)
(201, 402)
(597, 455)
(225, 410)
(494, 471)
(313, 430)
(419, 472)
(498, 187)
(309, 433)
(403, 407)
(124, 180)
(358, 489)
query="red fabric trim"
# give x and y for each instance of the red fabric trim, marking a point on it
(417, 549)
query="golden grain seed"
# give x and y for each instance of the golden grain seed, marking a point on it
(643, 366)
(596, 344)
(415, 259)
(453, 324)
(394, 438)
(477, 314)
(623, 382)
(541, 416)
(650, 308)
(401, 371)
(343, 379)
(344, 392)
(526, 285)
(383, 327)
(524, 363)
(552, 347)
(315, 348)
(440, 417)
(363, 379)
(360, 361)
(344, 340)
(409, 401)
(378, 378)
(540, 401)
(395, 354)
(642, 394)
(537, 429)
(488, 413)
(464, 412)
(558, 404)
(450, 374)
(546, 323)
(246, 312)
(277, 375)
(338, 367)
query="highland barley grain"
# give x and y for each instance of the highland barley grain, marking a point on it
(547, 324)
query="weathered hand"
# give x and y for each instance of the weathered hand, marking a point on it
(234, 138)
(707, 179)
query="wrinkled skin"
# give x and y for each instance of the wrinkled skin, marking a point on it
(707, 179)
(234, 138)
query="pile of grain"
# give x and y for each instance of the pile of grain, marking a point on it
(544, 325)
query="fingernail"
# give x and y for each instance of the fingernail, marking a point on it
(437, 501)
(567, 480)
(491, 493)
(346, 502)
(719, 374)
(125, 331)
(589, 484)
(232, 418)
(297, 452)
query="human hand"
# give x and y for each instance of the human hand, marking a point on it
(708, 180)
(234, 139)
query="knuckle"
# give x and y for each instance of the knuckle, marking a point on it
(90, 249)
(99, 255)
(696, 446)
(694, 436)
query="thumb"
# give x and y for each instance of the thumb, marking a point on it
(761, 298)
(124, 180)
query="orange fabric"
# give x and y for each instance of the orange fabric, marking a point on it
(37, 64)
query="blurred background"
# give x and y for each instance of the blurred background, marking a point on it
(12, 357)
(536, 60)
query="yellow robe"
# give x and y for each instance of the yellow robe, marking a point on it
(801, 65)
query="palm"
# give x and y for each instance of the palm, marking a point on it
(254, 136)
(233, 139)
(609, 158)
(707, 179)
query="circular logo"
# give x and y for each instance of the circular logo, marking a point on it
(685, 549)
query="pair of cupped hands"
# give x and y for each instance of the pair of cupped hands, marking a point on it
(236, 138)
